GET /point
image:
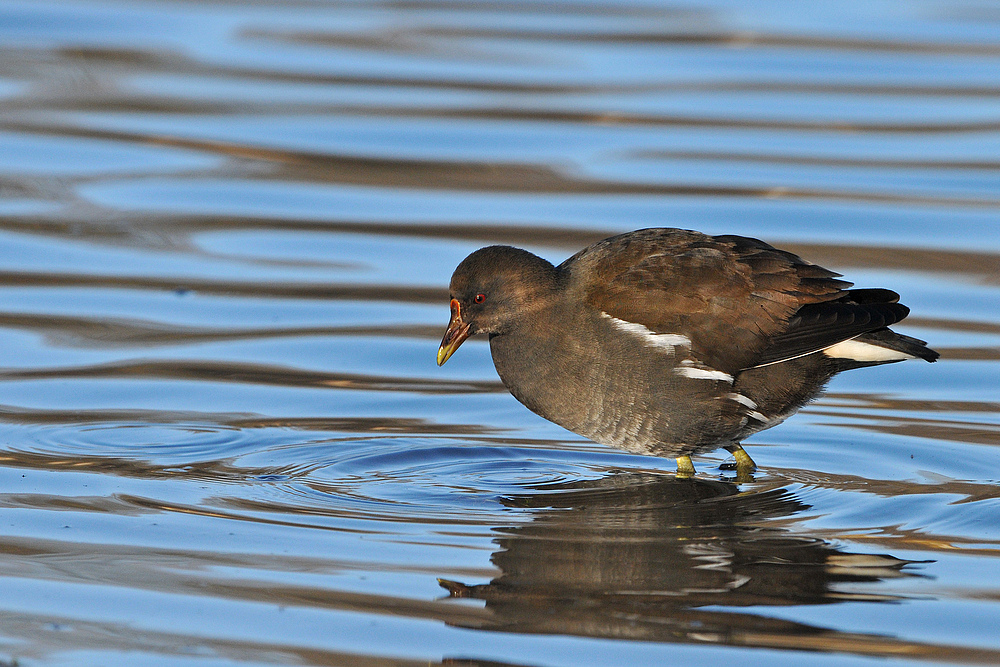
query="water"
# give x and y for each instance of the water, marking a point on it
(226, 232)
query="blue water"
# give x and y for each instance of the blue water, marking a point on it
(226, 234)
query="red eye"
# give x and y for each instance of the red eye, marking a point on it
(480, 298)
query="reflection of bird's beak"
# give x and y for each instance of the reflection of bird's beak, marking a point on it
(457, 332)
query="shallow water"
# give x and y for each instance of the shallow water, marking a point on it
(226, 232)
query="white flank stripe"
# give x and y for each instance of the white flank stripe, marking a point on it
(759, 417)
(858, 351)
(740, 398)
(703, 374)
(664, 341)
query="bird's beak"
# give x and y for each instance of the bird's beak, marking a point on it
(457, 332)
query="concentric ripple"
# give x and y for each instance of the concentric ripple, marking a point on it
(277, 471)
(403, 479)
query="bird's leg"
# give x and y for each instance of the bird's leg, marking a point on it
(685, 468)
(744, 464)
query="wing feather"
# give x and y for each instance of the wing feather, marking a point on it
(741, 302)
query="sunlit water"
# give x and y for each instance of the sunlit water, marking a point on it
(226, 232)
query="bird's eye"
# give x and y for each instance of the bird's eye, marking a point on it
(480, 298)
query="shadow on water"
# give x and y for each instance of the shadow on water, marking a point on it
(656, 558)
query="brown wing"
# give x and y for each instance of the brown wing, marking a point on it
(731, 296)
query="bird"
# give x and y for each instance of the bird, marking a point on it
(670, 342)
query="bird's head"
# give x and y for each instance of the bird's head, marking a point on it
(490, 290)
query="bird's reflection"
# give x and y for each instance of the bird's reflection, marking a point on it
(653, 557)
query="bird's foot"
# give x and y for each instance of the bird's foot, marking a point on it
(743, 464)
(685, 468)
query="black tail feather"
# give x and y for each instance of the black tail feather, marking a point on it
(896, 341)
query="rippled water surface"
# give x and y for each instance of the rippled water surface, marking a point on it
(226, 233)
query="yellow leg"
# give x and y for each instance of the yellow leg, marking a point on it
(744, 464)
(684, 467)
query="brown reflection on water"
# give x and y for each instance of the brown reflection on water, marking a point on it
(897, 417)
(247, 373)
(26, 63)
(189, 573)
(69, 330)
(250, 162)
(45, 637)
(181, 286)
(947, 431)
(970, 353)
(292, 514)
(630, 556)
(963, 491)
(174, 231)
(636, 556)
(867, 402)
(742, 39)
(394, 425)
(825, 161)
(136, 467)
(985, 266)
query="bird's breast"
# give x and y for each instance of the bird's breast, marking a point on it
(613, 383)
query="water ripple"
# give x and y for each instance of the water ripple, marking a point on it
(226, 233)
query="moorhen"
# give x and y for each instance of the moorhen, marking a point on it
(670, 342)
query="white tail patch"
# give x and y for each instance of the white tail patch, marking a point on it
(859, 351)
(665, 342)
